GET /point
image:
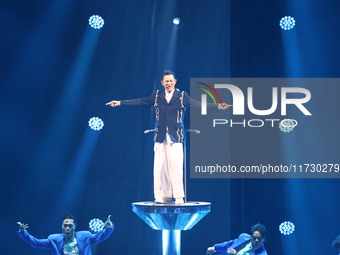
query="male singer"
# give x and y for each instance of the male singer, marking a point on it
(170, 105)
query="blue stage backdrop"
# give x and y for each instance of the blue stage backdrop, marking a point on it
(57, 72)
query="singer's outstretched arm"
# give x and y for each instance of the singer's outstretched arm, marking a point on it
(133, 102)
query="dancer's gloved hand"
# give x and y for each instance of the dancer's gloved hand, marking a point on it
(22, 226)
(231, 251)
(210, 250)
(108, 223)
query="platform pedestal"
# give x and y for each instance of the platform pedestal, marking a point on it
(171, 219)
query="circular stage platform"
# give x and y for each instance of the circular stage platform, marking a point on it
(171, 216)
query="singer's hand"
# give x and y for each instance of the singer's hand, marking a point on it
(113, 103)
(223, 106)
(149, 131)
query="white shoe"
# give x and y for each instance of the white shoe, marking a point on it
(179, 201)
(163, 200)
(159, 201)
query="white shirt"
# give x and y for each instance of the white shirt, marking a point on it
(247, 250)
(71, 247)
(168, 96)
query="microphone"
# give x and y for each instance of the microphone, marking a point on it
(196, 131)
(149, 131)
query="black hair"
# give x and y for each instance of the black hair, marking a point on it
(336, 243)
(68, 216)
(168, 72)
(260, 228)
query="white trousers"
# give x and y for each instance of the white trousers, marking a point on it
(168, 169)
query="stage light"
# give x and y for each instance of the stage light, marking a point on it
(96, 225)
(287, 125)
(287, 23)
(96, 22)
(176, 21)
(96, 123)
(287, 228)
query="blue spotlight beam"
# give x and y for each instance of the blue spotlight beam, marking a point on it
(169, 59)
(292, 54)
(77, 172)
(167, 36)
(57, 132)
